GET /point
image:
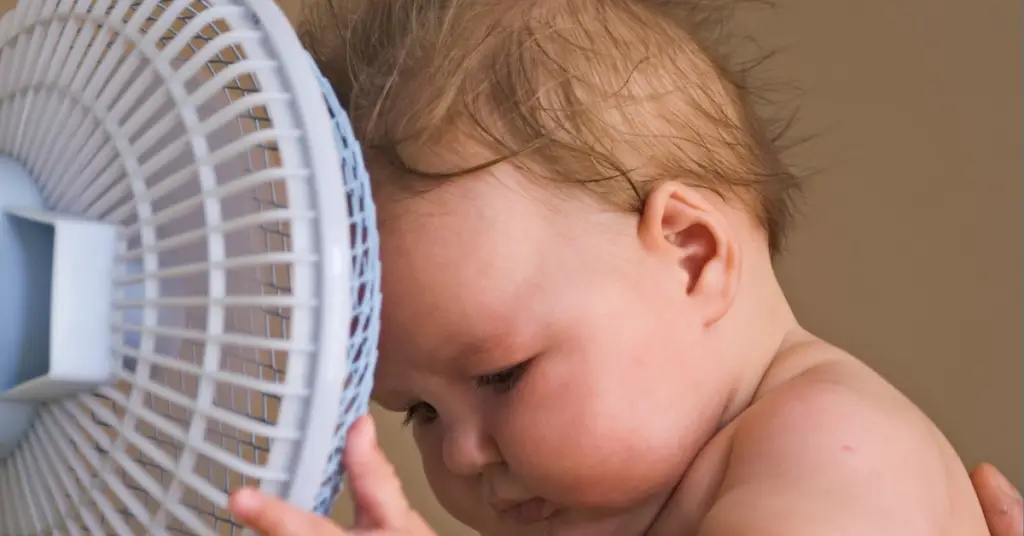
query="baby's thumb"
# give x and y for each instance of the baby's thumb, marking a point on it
(376, 490)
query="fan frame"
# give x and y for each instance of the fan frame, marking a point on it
(324, 191)
(332, 237)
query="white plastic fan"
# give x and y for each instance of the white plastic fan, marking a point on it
(189, 271)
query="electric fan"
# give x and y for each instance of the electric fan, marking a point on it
(189, 267)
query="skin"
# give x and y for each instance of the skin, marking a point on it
(383, 510)
(537, 309)
(476, 361)
(1001, 501)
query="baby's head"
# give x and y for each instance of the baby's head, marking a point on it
(578, 210)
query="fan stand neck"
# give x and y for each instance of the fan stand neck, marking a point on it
(56, 277)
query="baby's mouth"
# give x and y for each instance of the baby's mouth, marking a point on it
(528, 512)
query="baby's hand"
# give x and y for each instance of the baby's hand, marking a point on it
(381, 506)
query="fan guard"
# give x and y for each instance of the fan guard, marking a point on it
(197, 135)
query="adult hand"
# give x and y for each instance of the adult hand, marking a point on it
(381, 506)
(1000, 500)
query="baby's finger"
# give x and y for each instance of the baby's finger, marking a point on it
(272, 517)
(376, 490)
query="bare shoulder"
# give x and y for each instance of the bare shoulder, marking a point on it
(832, 448)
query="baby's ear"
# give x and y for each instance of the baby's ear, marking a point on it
(681, 226)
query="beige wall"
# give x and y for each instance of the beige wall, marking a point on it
(909, 249)
(909, 253)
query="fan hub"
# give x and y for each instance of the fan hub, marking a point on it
(17, 189)
(55, 269)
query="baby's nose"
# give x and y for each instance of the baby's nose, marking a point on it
(468, 449)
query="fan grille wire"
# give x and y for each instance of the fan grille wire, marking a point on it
(122, 460)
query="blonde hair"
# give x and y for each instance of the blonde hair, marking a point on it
(611, 94)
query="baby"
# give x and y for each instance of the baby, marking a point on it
(579, 210)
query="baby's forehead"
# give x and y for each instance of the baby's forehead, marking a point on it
(452, 268)
(506, 200)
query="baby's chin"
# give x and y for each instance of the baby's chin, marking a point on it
(554, 520)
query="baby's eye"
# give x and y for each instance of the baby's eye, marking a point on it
(420, 413)
(503, 381)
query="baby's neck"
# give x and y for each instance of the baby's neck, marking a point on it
(762, 325)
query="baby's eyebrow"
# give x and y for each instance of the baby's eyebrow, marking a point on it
(461, 360)
(465, 359)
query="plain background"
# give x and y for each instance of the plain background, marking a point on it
(908, 251)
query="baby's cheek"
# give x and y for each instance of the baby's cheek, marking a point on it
(577, 448)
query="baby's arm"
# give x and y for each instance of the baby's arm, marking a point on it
(819, 458)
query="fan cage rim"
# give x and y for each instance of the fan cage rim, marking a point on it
(327, 176)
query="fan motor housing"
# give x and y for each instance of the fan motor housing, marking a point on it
(57, 273)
